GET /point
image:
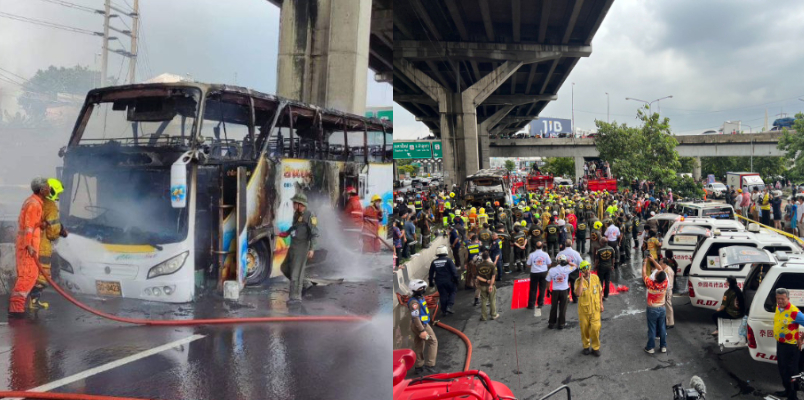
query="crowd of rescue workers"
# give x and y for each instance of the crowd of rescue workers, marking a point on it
(545, 233)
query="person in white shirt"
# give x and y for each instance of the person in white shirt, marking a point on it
(559, 276)
(612, 235)
(538, 261)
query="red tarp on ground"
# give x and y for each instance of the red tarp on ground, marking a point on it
(519, 298)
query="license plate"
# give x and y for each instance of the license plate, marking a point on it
(108, 288)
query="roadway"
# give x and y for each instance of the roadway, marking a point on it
(67, 350)
(519, 350)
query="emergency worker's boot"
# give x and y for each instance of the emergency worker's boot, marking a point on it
(35, 303)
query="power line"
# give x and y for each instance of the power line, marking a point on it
(75, 6)
(49, 24)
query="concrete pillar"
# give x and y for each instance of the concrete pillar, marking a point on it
(579, 167)
(696, 169)
(323, 52)
(483, 131)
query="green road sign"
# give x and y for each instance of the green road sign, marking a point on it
(437, 150)
(412, 150)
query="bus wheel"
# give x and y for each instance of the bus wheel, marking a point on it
(259, 262)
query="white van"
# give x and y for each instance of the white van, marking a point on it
(707, 277)
(767, 273)
(706, 209)
(683, 237)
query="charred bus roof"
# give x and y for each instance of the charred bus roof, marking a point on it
(489, 173)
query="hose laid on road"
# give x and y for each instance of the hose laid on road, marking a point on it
(433, 300)
(193, 322)
(61, 396)
(465, 340)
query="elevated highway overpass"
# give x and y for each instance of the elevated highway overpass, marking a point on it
(696, 146)
(468, 68)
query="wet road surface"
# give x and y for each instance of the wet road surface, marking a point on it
(65, 349)
(548, 358)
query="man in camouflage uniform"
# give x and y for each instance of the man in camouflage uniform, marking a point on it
(303, 233)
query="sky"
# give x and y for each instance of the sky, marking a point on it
(233, 41)
(213, 41)
(721, 60)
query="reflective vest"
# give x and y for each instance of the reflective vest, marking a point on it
(418, 204)
(473, 248)
(785, 330)
(446, 221)
(447, 206)
(422, 313)
(482, 219)
(766, 202)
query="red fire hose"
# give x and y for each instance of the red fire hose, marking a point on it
(432, 303)
(192, 322)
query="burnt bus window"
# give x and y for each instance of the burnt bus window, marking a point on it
(225, 129)
(142, 121)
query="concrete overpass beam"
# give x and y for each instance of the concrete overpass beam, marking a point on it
(324, 51)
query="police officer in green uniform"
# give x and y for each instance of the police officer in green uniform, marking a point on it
(504, 217)
(485, 236)
(303, 233)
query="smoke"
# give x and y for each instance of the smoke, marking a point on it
(345, 258)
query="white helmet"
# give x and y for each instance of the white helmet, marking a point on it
(417, 285)
(477, 260)
(561, 257)
(442, 251)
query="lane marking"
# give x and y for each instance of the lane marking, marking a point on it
(114, 364)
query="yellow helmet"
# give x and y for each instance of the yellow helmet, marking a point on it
(376, 197)
(527, 208)
(451, 194)
(524, 223)
(482, 211)
(55, 189)
(597, 225)
(473, 211)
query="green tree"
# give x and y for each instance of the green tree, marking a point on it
(687, 164)
(646, 152)
(510, 165)
(560, 166)
(42, 89)
(793, 143)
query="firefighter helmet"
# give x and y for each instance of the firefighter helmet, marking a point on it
(597, 225)
(376, 197)
(585, 266)
(442, 251)
(55, 189)
(417, 285)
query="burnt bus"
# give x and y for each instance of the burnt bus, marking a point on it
(487, 186)
(174, 186)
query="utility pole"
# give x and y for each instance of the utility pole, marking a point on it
(608, 120)
(105, 57)
(573, 109)
(132, 61)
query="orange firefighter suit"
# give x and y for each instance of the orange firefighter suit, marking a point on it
(371, 229)
(28, 234)
(354, 210)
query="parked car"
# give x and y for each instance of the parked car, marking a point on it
(715, 190)
(767, 272)
(708, 272)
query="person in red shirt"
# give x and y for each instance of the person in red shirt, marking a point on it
(27, 247)
(656, 312)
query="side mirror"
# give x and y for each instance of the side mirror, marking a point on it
(178, 181)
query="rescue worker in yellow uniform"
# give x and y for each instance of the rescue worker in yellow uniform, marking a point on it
(425, 344)
(590, 305)
(52, 231)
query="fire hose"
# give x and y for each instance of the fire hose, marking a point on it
(148, 322)
(433, 300)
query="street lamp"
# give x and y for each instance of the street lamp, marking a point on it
(650, 102)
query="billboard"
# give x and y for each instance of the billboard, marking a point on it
(551, 127)
(412, 150)
(386, 113)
